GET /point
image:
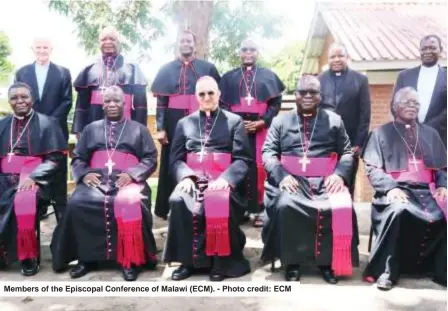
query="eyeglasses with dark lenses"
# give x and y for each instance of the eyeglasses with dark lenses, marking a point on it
(304, 92)
(244, 50)
(209, 93)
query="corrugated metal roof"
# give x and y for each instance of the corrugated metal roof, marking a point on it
(377, 31)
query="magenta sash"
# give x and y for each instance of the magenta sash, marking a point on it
(216, 202)
(127, 210)
(185, 102)
(420, 175)
(318, 167)
(97, 99)
(255, 107)
(217, 213)
(341, 209)
(25, 205)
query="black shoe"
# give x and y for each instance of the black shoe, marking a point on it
(292, 273)
(130, 274)
(29, 267)
(80, 270)
(440, 282)
(216, 277)
(151, 265)
(328, 275)
(181, 273)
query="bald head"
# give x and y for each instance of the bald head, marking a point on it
(42, 49)
(248, 52)
(207, 93)
(113, 102)
(109, 40)
(307, 94)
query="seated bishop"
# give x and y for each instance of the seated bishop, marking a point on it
(405, 162)
(32, 148)
(210, 158)
(108, 217)
(310, 219)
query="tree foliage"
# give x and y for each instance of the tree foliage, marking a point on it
(6, 67)
(287, 64)
(134, 20)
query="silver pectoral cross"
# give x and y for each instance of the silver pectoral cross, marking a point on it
(304, 161)
(202, 153)
(415, 162)
(10, 156)
(109, 164)
(249, 99)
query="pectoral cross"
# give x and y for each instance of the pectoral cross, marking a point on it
(201, 154)
(249, 99)
(109, 164)
(10, 156)
(304, 161)
(415, 162)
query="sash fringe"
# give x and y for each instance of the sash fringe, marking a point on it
(26, 244)
(342, 257)
(217, 237)
(130, 243)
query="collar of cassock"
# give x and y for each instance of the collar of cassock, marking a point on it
(212, 113)
(406, 126)
(188, 61)
(24, 117)
(339, 73)
(110, 122)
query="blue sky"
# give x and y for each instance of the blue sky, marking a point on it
(23, 20)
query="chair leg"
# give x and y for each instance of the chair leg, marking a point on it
(38, 241)
(273, 265)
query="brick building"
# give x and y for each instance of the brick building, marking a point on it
(381, 39)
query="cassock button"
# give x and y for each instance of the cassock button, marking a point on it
(321, 217)
(318, 253)
(320, 227)
(320, 234)
(110, 243)
(318, 243)
(422, 245)
(421, 253)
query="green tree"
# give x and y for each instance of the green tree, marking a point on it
(287, 64)
(5, 50)
(134, 20)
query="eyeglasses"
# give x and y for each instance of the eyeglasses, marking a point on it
(209, 93)
(409, 103)
(107, 101)
(244, 50)
(305, 92)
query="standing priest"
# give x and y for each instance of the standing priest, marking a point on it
(309, 161)
(174, 87)
(111, 69)
(254, 93)
(108, 217)
(32, 148)
(209, 158)
(406, 165)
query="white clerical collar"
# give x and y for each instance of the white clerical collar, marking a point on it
(21, 118)
(43, 66)
(432, 68)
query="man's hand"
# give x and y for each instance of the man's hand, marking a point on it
(219, 184)
(123, 180)
(92, 180)
(186, 185)
(27, 184)
(356, 151)
(254, 126)
(162, 137)
(397, 195)
(440, 193)
(290, 184)
(334, 184)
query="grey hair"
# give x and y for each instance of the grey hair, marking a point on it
(337, 45)
(402, 92)
(115, 89)
(249, 40)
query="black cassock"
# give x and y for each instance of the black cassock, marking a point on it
(38, 155)
(265, 89)
(347, 93)
(299, 227)
(110, 70)
(174, 87)
(105, 223)
(410, 237)
(187, 239)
